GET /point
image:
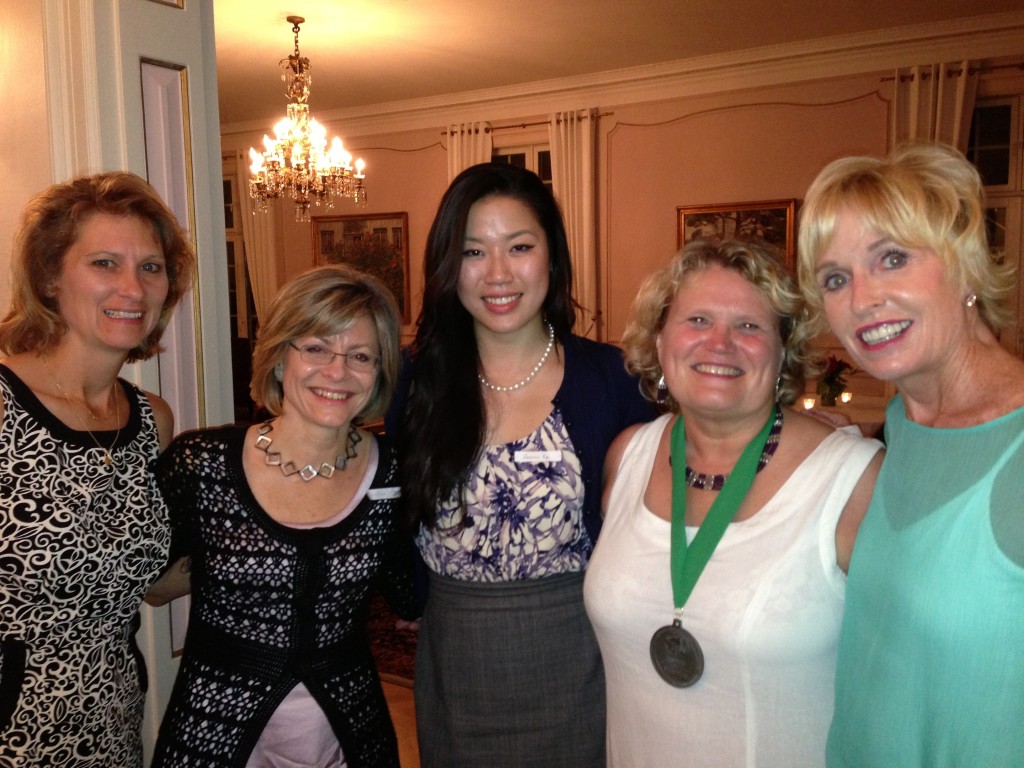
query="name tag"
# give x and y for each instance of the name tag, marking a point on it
(377, 494)
(537, 457)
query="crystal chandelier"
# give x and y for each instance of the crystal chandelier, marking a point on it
(297, 162)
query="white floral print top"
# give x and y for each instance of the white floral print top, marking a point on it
(521, 516)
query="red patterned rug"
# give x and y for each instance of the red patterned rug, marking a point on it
(394, 648)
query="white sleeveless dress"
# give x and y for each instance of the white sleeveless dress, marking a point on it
(766, 612)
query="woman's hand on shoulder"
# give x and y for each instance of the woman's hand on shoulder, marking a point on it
(164, 419)
(833, 419)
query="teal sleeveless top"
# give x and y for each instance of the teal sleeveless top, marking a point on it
(931, 653)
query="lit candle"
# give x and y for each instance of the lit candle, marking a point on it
(257, 162)
(846, 397)
(808, 403)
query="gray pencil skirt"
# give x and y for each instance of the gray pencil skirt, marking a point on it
(509, 675)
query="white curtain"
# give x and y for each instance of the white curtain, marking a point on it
(468, 144)
(258, 238)
(935, 102)
(572, 136)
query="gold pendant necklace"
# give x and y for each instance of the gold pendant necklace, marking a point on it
(108, 459)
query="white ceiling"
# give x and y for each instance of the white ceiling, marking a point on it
(366, 52)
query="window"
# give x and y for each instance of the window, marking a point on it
(243, 312)
(241, 305)
(993, 145)
(536, 158)
(995, 148)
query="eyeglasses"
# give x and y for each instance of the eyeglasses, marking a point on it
(318, 354)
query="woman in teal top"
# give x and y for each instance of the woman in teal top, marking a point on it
(894, 254)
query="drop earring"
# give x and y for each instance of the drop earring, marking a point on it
(972, 299)
(662, 391)
(279, 372)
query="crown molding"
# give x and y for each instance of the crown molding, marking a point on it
(975, 38)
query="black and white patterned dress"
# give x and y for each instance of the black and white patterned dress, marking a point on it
(80, 542)
(275, 606)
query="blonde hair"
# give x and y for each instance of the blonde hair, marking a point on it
(324, 302)
(923, 195)
(759, 264)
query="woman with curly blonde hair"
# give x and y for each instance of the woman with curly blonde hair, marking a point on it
(770, 500)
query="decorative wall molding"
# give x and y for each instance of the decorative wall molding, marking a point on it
(72, 95)
(978, 37)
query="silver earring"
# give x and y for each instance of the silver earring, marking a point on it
(279, 372)
(662, 391)
(778, 387)
(972, 299)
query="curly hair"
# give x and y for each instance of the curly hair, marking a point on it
(51, 224)
(323, 302)
(760, 265)
(923, 195)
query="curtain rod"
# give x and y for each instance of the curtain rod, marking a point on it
(957, 71)
(534, 124)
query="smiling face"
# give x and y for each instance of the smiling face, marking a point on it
(894, 308)
(720, 349)
(330, 395)
(504, 276)
(112, 283)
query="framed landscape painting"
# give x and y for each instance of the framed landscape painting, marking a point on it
(376, 243)
(771, 220)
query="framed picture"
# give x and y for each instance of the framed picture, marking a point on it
(771, 220)
(376, 243)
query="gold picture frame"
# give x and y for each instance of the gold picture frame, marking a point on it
(376, 243)
(774, 221)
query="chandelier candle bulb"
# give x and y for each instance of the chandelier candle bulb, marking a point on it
(297, 163)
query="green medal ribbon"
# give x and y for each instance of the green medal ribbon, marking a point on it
(687, 562)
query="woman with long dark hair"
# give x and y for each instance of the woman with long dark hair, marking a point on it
(503, 419)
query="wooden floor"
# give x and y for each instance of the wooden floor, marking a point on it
(403, 714)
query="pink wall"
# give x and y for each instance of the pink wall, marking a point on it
(742, 147)
(25, 161)
(405, 173)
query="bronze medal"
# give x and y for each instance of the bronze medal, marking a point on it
(675, 653)
(677, 656)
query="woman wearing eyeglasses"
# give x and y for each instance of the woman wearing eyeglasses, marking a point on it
(290, 525)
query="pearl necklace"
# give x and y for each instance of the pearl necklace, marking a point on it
(532, 374)
(108, 459)
(715, 482)
(308, 472)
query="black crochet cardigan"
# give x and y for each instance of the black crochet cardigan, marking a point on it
(273, 606)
